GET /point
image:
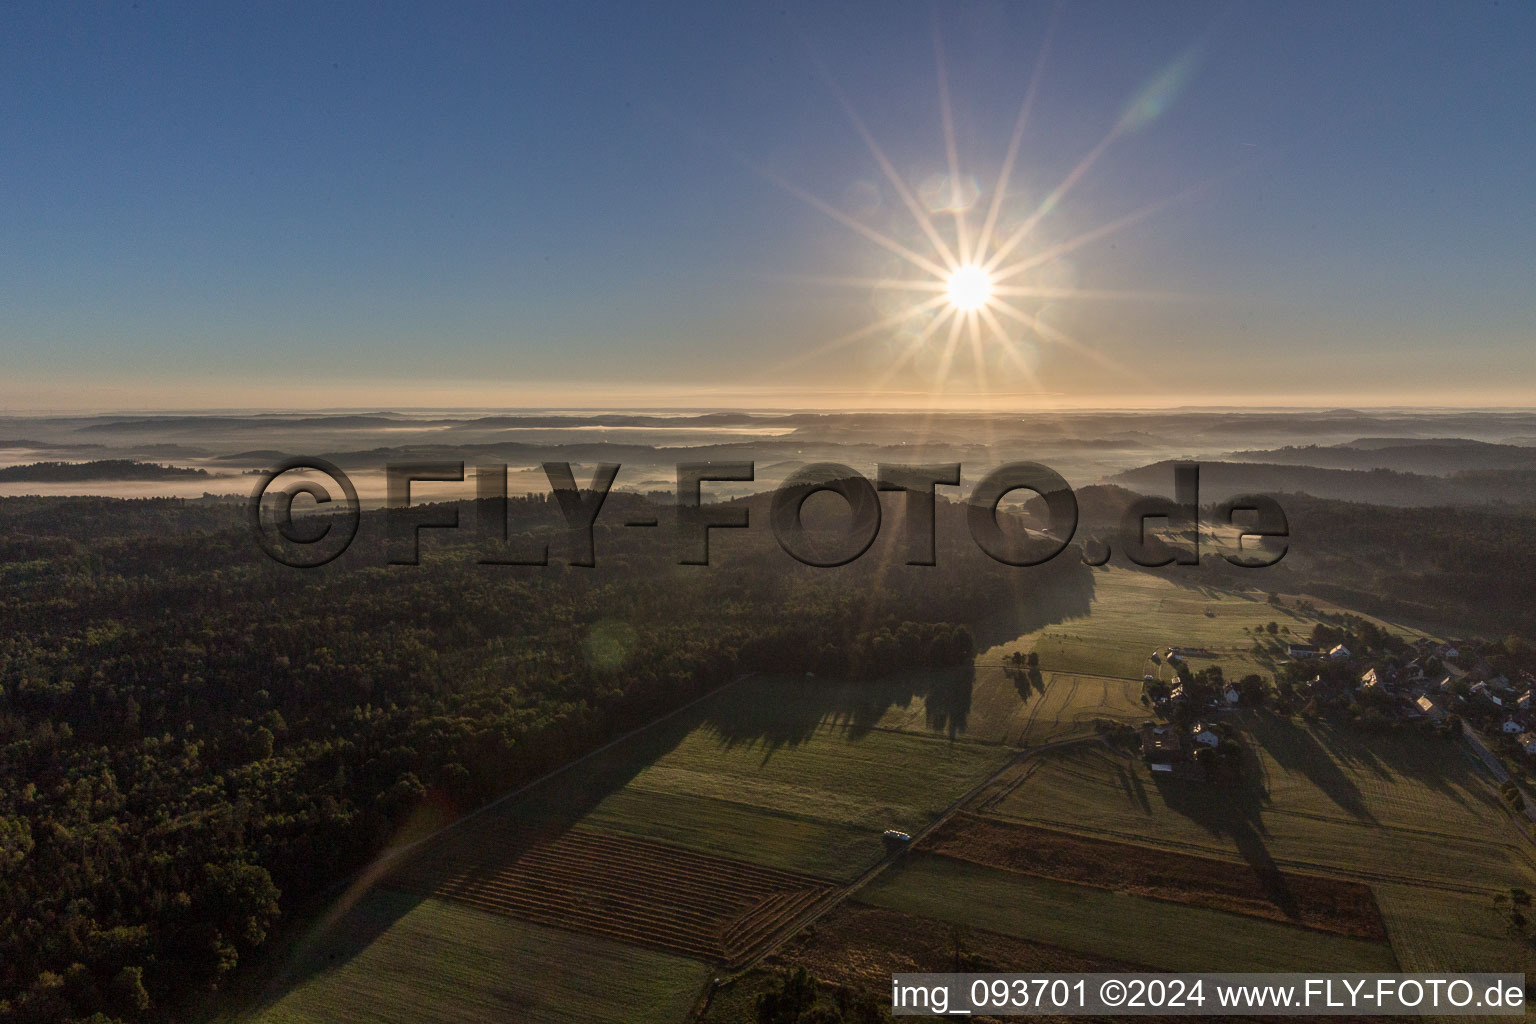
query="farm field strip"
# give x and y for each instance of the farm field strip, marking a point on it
(1337, 868)
(1152, 933)
(1313, 901)
(441, 962)
(629, 889)
(739, 832)
(1450, 932)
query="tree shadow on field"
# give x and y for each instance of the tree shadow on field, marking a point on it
(788, 711)
(779, 713)
(1135, 792)
(1234, 810)
(1029, 683)
(1427, 760)
(1039, 601)
(1296, 749)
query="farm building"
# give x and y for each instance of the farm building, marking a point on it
(1301, 651)
(1163, 744)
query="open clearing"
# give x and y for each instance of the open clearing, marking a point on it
(1153, 933)
(444, 963)
(1133, 613)
(1326, 904)
(1091, 666)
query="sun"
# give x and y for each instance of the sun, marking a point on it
(974, 268)
(969, 288)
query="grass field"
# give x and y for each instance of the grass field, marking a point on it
(1133, 613)
(817, 805)
(1371, 807)
(441, 963)
(1143, 931)
(1091, 666)
(770, 771)
(1409, 817)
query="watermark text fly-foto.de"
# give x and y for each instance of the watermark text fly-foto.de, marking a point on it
(270, 514)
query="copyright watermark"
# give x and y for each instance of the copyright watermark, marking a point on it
(1195, 995)
(312, 541)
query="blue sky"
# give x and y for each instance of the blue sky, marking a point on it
(584, 204)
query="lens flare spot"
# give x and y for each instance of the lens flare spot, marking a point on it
(608, 645)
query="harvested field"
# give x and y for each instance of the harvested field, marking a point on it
(628, 889)
(1326, 904)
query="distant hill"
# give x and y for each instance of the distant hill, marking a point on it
(1437, 456)
(102, 469)
(1222, 480)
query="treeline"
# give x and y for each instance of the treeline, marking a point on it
(195, 741)
(101, 469)
(1462, 569)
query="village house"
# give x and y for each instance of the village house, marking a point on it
(1338, 653)
(1512, 727)
(1431, 708)
(1301, 651)
(1527, 742)
(1481, 692)
(1203, 735)
(1163, 745)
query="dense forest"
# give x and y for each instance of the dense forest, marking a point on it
(196, 741)
(1465, 570)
